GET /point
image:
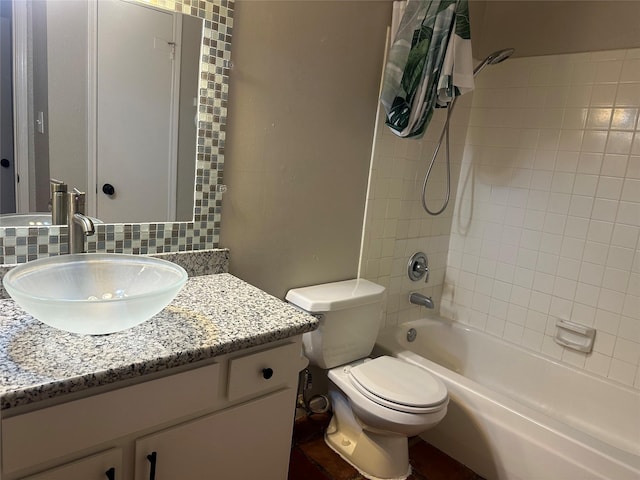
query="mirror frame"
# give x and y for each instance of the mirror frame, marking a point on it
(21, 244)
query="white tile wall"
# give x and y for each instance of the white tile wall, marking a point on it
(547, 217)
(396, 226)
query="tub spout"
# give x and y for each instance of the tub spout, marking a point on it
(419, 299)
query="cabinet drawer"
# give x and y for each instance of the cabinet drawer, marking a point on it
(44, 435)
(265, 371)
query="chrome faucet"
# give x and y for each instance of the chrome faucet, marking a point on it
(68, 208)
(419, 299)
(79, 226)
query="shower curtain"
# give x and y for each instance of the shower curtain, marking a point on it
(429, 62)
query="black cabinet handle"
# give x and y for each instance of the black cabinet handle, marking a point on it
(152, 460)
(111, 473)
(267, 373)
(5, 163)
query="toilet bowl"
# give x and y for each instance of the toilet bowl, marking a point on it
(378, 402)
(391, 395)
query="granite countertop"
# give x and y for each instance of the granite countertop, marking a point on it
(212, 315)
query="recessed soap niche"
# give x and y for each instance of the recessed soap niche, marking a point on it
(575, 336)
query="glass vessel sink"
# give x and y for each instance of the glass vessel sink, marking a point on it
(36, 219)
(25, 219)
(94, 293)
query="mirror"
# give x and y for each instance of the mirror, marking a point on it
(196, 200)
(112, 106)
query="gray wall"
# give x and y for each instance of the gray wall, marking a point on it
(302, 102)
(542, 27)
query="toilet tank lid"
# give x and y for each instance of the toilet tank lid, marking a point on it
(335, 296)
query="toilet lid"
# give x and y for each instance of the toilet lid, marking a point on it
(399, 385)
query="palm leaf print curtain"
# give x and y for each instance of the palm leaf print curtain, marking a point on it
(429, 64)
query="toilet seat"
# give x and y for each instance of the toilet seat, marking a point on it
(398, 385)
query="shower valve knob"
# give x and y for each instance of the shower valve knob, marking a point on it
(418, 267)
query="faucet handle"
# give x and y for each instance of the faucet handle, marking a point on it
(77, 201)
(57, 186)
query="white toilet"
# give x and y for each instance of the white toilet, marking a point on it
(377, 403)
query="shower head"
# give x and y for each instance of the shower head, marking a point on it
(492, 59)
(500, 56)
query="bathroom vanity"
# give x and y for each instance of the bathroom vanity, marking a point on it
(204, 390)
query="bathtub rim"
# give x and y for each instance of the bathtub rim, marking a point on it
(466, 327)
(388, 338)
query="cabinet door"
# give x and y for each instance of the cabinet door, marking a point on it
(102, 466)
(248, 441)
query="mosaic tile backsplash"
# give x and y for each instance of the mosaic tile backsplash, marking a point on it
(20, 244)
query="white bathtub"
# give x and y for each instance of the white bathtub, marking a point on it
(517, 415)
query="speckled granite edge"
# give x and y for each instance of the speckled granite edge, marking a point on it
(200, 262)
(3, 271)
(196, 263)
(212, 315)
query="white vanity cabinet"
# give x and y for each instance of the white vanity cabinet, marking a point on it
(240, 443)
(229, 419)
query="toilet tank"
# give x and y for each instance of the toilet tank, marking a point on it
(349, 313)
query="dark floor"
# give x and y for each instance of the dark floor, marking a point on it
(312, 459)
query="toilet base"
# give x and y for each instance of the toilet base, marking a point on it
(360, 471)
(376, 456)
